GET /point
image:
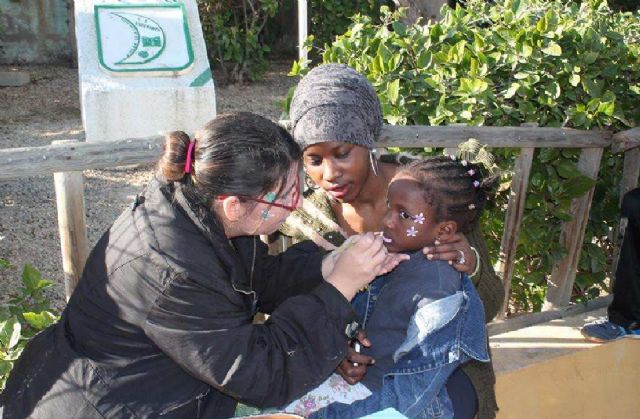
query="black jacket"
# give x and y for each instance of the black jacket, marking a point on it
(161, 324)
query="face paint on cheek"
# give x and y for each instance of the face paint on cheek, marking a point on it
(411, 232)
(419, 219)
(265, 214)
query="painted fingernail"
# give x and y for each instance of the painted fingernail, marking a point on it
(437, 242)
(427, 249)
(429, 257)
(450, 262)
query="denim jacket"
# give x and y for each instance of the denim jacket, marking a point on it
(441, 336)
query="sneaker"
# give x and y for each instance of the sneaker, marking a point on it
(603, 330)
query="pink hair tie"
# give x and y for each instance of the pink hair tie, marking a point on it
(187, 163)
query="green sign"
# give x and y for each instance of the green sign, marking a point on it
(149, 38)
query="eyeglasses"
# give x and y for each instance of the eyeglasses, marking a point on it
(295, 198)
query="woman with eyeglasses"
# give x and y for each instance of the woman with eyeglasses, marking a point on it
(161, 321)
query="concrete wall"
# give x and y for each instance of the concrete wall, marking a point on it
(598, 383)
(34, 32)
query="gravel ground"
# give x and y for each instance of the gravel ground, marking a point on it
(48, 109)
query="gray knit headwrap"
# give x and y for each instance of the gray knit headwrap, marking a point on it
(333, 102)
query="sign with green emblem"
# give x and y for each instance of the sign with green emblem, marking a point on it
(143, 38)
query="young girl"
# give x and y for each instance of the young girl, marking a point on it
(424, 319)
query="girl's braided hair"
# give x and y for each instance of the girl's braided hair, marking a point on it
(457, 189)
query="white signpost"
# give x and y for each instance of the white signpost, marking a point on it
(143, 68)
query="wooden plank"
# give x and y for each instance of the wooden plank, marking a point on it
(513, 220)
(626, 140)
(69, 187)
(33, 161)
(560, 283)
(509, 137)
(497, 327)
(65, 157)
(451, 136)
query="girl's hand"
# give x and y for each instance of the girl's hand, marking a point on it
(356, 263)
(452, 250)
(354, 366)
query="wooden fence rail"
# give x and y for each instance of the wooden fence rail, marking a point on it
(75, 157)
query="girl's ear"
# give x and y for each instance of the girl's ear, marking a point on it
(447, 229)
(232, 208)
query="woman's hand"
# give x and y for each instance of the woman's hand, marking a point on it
(354, 264)
(456, 250)
(354, 366)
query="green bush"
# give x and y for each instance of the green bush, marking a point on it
(22, 317)
(543, 61)
(232, 32)
(330, 18)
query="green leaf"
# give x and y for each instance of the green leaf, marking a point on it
(10, 332)
(566, 169)
(295, 69)
(574, 80)
(577, 186)
(513, 89)
(40, 320)
(607, 108)
(5, 367)
(31, 278)
(473, 86)
(424, 59)
(553, 49)
(393, 89)
(590, 57)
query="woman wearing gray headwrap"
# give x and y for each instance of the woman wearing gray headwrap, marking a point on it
(336, 118)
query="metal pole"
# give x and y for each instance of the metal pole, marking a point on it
(302, 30)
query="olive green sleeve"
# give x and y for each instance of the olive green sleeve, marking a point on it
(487, 283)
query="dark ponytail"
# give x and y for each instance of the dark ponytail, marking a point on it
(234, 154)
(172, 162)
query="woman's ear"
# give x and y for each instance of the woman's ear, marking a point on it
(232, 208)
(446, 229)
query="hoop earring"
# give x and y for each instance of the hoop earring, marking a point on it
(374, 163)
(309, 183)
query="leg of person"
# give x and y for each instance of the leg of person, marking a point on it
(462, 395)
(624, 311)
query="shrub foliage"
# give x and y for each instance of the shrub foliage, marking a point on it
(232, 31)
(550, 62)
(25, 314)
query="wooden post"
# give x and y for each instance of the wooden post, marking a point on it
(560, 284)
(512, 222)
(73, 232)
(513, 219)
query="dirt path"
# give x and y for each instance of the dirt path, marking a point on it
(48, 109)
